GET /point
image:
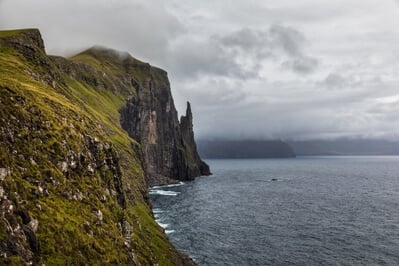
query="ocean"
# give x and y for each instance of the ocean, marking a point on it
(303, 211)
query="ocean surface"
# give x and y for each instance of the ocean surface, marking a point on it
(302, 211)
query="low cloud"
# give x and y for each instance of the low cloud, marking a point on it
(241, 54)
(259, 69)
(144, 28)
(301, 65)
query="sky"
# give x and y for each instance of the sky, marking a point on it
(254, 69)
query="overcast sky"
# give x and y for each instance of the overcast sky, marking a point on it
(251, 69)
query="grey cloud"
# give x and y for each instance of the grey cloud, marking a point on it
(334, 80)
(275, 43)
(70, 26)
(193, 58)
(277, 37)
(303, 65)
(216, 92)
(240, 54)
(247, 39)
(295, 112)
(337, 80)
(289, 39)
(261, 69)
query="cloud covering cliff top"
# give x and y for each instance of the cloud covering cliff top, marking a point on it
(251, 69)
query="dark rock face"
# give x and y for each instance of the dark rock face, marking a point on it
(196, 166)
(169, 148)
(72, 187)
(30, 45)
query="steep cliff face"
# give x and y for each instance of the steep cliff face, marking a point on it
(195, 166)
(151, 118)
(72, 186)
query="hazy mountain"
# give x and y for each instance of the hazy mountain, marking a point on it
(244, 149)
(345, 147)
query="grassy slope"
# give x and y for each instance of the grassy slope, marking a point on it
(48, 125)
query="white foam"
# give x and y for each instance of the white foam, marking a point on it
(163, 192)
(171, 185)
(157, 210)
(169, 231)
(164, 226)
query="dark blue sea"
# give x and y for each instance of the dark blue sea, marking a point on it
(303, 211)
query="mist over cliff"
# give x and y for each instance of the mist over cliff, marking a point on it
(259, 69)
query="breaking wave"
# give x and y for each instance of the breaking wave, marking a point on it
(163, 192)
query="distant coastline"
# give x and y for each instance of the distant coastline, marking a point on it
(252, 149)
(242, 149)
(345, 147)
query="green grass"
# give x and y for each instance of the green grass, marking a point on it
(46, 126)
(11, 33)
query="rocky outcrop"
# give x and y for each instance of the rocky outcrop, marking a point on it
(194, 165)
(149, 114)
(72, 181)
(168, 145)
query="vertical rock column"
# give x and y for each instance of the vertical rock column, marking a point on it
(168, 145)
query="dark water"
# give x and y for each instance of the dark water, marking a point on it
(319, 211)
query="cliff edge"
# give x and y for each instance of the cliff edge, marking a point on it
(73, 186)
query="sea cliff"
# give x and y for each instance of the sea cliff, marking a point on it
(81, 139)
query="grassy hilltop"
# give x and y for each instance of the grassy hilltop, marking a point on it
(72, 188)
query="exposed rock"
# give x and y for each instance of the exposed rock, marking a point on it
(4, 172)
(103, 198)
(78, 196)
(73, 167)
(24, 215)
(32, 239)
(169, 147)
(30, 45)
(99, 215)
(127, 231)
(63, 166)
(33, 225)
(195, 166)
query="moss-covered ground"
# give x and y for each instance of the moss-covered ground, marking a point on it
(43, 127)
